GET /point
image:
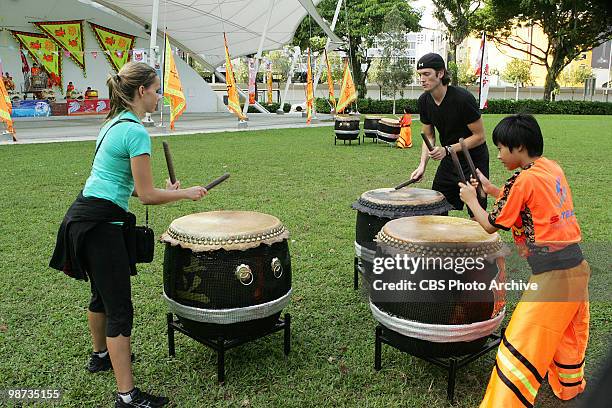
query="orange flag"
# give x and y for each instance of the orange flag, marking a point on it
(348, 93)
(309, 91)
(233, 103)
(173, 89)
(5, 109)
(330, 82)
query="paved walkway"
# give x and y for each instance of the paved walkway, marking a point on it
(75, 128)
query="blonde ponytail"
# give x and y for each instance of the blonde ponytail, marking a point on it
(123, 86)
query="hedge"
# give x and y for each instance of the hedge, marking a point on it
(504, 106)
(272, 107)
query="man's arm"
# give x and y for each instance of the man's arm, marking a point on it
(428, 131)
(476, 139)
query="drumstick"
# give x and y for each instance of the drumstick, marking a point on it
(405, 183)
(458, 166)
(217, 181)
(169, 162)
(427, 142)
(468, 158)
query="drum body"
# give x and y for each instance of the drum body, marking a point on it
(452, 306)
(347, 127)
(39, 81)
(370, 126)
(227, 273)
(388, 130)
(377, 207)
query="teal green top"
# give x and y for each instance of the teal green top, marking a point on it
(111, 173)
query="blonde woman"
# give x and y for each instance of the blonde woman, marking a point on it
(91, 242)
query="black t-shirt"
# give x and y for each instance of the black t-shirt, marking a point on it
(457, 110)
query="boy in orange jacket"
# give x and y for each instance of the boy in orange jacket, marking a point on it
(549, 329)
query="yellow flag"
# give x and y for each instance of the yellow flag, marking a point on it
(309, 91)
(233, 103)
(348, 93)
(330, 82)
(173, 89)
(5, 109)
(116, 45)
(69, 36)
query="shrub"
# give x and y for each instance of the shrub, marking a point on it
(502, 106)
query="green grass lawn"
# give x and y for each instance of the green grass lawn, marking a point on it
(299, 176)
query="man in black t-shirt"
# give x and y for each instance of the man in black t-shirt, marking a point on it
(454, 113)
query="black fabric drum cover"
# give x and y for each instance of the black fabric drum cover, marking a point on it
(227, 273)
(449, 238)
(377, 207)
(346, 127)
(391, 127)
(370, 125)
(208, 280)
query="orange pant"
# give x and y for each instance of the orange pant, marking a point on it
(405, 138)
(544, 337)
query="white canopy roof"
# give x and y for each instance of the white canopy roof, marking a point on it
(197, 26)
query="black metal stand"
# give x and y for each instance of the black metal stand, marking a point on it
(336, 138)
(374, 137)
(451, 364)
(221, 344)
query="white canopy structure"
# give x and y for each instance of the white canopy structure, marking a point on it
(197, 26)
(194, 26)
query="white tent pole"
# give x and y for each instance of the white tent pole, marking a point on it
(312, 10)
(321, 62)
(260, 49)
(296, 54)
(152, 56)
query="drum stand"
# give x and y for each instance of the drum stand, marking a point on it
(450, 364)
(350, 136)
(222, 344)
(371, 134)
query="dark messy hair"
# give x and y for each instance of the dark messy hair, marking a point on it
(519, 130)
(446, 78)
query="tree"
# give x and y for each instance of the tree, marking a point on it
(394, 71)
(571, 27)
(575, 76)
(359, 23)
(281, 63)
(517, 72)
(458, 16)
(465, 74)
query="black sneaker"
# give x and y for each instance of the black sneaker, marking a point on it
(142, 399)
(97, 364)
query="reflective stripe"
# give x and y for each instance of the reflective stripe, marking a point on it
(512, 387)
(522, 359)
(576, 375)
(514, 370)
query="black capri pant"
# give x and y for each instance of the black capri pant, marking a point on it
(108, 268)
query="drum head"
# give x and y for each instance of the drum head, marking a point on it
(390, 122)
(347, 118)
(450, 235)
(406, 202)
(404, 196)
(229, 230)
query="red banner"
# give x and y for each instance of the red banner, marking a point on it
(88, 106)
